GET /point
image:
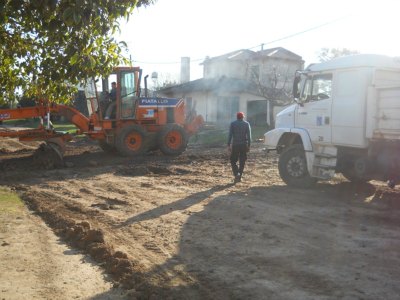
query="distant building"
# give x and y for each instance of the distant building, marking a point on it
(243, 80)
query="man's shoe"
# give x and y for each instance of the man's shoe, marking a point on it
(391, 183)
(237, 178)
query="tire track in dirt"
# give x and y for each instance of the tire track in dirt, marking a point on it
(65, 214)
(177, 229)
(87, 236)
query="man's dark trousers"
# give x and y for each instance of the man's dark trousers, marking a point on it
(239, 152)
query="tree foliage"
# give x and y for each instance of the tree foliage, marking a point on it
(48, 46)
(326, 54)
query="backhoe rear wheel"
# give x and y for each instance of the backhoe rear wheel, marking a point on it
(131, 141)
(173, 139)
(293, 167)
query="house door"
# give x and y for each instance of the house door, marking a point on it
(226, 109)
(257, 111)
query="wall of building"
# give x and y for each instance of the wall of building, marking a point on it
(227, 68)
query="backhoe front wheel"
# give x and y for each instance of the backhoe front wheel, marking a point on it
(173, 139)
(131, 141)
(293, 167)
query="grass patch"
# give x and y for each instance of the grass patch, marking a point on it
(9, 202)
(29, 123)
(34, 123)
(66, 127)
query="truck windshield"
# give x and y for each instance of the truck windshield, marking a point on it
(318, 87)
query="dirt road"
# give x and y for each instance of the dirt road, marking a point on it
(177, 228)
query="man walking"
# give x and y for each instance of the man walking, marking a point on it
(239, 141)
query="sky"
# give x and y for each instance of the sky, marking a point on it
(159, 35)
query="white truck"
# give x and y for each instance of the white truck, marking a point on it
(345, 119)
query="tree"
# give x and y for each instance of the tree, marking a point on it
(326, 54)
(47, 47)
(274, 84)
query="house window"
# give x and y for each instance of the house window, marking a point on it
(189, 105)
(255, 72)
(189, 102)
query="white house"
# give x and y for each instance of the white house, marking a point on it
(244, 80)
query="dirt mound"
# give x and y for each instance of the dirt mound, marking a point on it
(9, 145)
(84, 237)
(47, 157)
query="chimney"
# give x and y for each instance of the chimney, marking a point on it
(185, 69)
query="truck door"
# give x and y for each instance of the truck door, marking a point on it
(315, 111)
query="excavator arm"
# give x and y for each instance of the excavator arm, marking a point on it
(41, 111)
(73, 115)
(50, 154)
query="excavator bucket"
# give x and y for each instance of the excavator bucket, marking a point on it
(48, 156)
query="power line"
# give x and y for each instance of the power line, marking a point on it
(300, 32)
(266, 43)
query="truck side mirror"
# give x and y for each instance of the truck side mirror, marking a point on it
(296, 92)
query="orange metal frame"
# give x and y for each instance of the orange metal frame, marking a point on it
(95, 126)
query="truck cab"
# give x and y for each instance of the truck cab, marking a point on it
(342, 121)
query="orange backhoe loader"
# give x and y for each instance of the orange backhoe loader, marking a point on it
(121, 121)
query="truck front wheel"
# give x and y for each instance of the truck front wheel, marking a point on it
(293, 167)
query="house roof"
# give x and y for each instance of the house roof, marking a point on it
(277, 52)
(211, 84)
(224, 84)
(229, 84)
(234, 55)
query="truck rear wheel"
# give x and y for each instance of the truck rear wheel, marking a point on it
(131, 141)
(357, 170)
(293, 167)
(173, 139)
